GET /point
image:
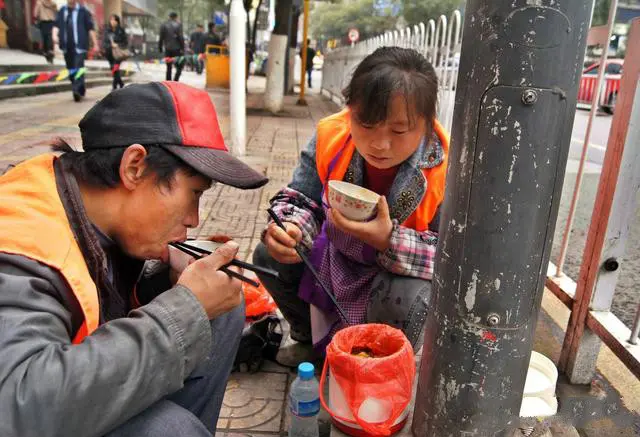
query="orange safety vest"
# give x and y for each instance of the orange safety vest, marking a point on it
(335, 147)
(33, 224)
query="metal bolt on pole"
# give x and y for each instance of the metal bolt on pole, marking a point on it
(516, 96)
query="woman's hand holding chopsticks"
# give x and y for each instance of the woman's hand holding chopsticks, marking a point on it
(281, 243)
(216, 290)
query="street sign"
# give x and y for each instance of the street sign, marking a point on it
(220, 18)
(353, 35)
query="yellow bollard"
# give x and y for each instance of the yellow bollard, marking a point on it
(217, 65)
(3, 34)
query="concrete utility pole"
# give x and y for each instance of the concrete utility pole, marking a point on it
(520, 66)
(237, 46)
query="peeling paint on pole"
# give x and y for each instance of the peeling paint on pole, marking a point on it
(470, 298)
(515, 101)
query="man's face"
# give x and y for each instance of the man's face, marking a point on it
(155, 214)
(71, 3)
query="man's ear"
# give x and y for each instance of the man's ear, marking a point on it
(133, 166)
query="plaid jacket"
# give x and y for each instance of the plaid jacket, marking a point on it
(411, 253)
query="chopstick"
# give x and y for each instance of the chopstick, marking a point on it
(312, 269)
(225, 269)
(236, 262)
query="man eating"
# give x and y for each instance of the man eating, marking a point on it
(96, 337)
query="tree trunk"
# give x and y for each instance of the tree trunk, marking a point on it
(293, 45)
(254, 32)
(283, 9)
(247, 8)
(274, 95)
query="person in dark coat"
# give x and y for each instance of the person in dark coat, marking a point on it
(172, 41)
(212, 38)
(114, 35)
(197, 42)
(311, 53)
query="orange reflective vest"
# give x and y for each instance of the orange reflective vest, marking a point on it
(335, 147)
(33, 224)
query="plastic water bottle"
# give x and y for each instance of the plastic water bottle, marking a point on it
(304, 403)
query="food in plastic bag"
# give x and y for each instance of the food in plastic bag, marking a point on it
(374, 366)
(257, 300)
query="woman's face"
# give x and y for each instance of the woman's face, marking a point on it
(392, 141)
(113, 22)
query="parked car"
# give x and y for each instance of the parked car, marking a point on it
(610, 85)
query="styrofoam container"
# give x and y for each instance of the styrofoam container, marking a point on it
(372, 410)
(539, 396)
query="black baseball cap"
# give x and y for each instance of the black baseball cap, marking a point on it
(174, 116)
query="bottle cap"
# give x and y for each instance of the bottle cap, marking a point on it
(306, 371)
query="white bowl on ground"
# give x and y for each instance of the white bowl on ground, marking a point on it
(352, 201)
(539, 396)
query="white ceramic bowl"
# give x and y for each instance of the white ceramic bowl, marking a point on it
(353, 202)
(180, 260)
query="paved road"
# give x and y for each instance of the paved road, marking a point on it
(598, 140)
(627, 295)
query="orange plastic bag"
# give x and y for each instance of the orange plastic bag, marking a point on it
(388, 376)
(257, 300)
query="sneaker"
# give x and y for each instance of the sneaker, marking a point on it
(292, 353)
(77, 97)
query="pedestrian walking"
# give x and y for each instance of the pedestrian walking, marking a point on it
(73, 32)
(311, 53)
(197, 41)
(387, 140)
(172, 41)
(103, 332)
(44, 14)
(114, 46)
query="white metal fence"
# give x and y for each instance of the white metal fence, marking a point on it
(439, 42)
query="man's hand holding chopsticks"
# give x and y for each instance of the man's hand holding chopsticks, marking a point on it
(217, 292)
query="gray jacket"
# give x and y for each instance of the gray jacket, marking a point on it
(49, 388)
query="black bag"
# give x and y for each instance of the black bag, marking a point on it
(260, 340)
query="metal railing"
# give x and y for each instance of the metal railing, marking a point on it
(591, 297)
(439, 42)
